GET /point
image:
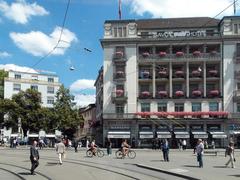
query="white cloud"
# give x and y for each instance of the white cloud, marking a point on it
(21, 11)
(177, 8)
(82, 84)
(13, 67)
(84, 100)
(4, 54)
(39, 44)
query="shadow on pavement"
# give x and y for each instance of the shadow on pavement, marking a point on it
(236, 175)
(52, 163)
(156, 160)
(24, 173)
(220, 167)
(191, 166)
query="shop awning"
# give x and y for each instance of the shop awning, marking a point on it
(181, 134)
(145, 135)
(14, 135)
(164, 134)
(200, 135)
(119, 134)
(218, 135)
(234, 132)
(50, 136)
(33, 135)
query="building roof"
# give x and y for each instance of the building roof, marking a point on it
(171, 23)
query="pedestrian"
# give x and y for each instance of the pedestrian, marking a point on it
(109, 147)
(34, 157)
(75, 145)
(87, 144)
(184, 144)
(61, 150)
(213, 144)
(230, 152)
(199, 151)
(165, 150)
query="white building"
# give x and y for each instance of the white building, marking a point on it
(47, 84)
(176, 78)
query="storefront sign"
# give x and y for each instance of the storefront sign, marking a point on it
(146, 136)
(182, 136)
(118, 136)
(219, 136)
(174, 34)
(200, 136)
(164, 136)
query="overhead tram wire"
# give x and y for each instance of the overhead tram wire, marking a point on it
(59, 39)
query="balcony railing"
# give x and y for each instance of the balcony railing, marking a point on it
(32, 81)
(119, 96)
(237, 75)
(162, 94)
(191, 56)
(119, 56)
(119, 75)
(119, 116)
(145, 95)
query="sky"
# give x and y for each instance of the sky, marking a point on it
(30, 30)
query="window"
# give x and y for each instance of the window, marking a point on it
(119, 108)
(213, 106)
(17, 76)
(196, 107)
(238, 107)
(162, 107)
(50, 100)
(115, 32)
(179, 107)
(235, 29)
(238, 49)
(120, 31)
(50, 90)
(34, 87)
(145, 107)
(50, 79)
(17, 87)
(238, 86)
(144, 88)
(34, 78)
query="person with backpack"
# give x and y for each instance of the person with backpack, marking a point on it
(230, 152)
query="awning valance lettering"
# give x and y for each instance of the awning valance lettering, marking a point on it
(218, 135)
(164, 135)
(181, 135)
(119, 134)
(200, 135)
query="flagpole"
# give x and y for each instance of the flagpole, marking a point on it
(120, 9)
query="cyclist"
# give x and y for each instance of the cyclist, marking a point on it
(125, 147)
(93, 147)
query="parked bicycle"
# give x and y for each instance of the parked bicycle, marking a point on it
(99, 153)
(131, 154)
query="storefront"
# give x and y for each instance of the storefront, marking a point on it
(180, 134)
(163, 132)
(234, 134)
(197, 132)
(118, 136)
(216, 135)
(146, 135)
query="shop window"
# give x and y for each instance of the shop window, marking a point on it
(17, 87)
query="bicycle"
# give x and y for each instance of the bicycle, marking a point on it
(99, 153)
(131, 154)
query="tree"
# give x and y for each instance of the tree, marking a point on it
(28, 108)
(3, 74)
(68, 118)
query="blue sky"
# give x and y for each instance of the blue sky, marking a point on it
(30, 29)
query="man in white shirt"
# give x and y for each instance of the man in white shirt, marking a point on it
(199, 151)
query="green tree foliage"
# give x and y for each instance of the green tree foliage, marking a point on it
(68, 117)
(3, 74)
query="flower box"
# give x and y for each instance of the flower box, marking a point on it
(120, 73)
(196, 53)
(162, 93)
(213, 52)
(179, 73)
(119, 53)
(119, 92)
(145, 93)
(179, 93)
(196, 93)
(162, 73)
(162, 54)
(214, 92)
(145, 54)
(145, 73)
(196, 73)
(179, 53)
(213, 72)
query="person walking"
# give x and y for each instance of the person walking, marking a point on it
(34, 157)
(75, 145)
(230, 153)
(199, 151)
(60, 148)
(109, 147)
(165, 150)
(184, 144)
